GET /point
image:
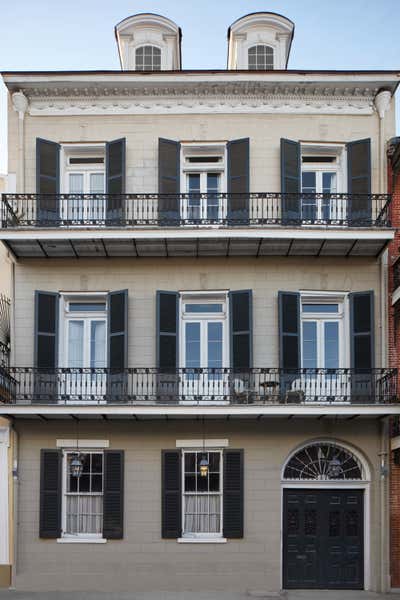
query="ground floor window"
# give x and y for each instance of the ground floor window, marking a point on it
(202, 494)
(83, 496)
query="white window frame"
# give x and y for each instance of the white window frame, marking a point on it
(79, 150)
(203, 536)
(322, 318)
(184, 317)
(78, 536)
(338, 150)
(142, 44)
(191, 149)
(265, 45)
(66, 316)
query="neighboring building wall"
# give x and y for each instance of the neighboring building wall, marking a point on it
(142, 560)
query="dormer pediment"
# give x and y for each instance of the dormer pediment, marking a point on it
(260, 41)
(148, 42)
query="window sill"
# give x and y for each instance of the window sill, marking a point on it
(193, 540)
(80, 540)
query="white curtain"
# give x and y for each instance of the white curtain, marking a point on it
(75, 205)
(96, 206)
(202, 513)
(84, 514)
(98, 344)
(75, 344)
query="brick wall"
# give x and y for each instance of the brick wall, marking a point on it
(394, 361)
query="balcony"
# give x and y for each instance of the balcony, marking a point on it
(150, 386)
(256, 224)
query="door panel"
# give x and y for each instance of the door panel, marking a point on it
(323, 539)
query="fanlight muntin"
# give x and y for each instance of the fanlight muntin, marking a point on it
(323, 461)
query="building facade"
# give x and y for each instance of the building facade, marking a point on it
(199, 381)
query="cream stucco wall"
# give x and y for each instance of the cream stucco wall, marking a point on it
(142, 133)
(142, 561)
(143, 277)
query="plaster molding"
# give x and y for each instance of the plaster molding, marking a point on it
(204, 99)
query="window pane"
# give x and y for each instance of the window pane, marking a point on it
(329, 183)
(214, 482)
(310, 345)
(320, 308)
(97, 463)
(84, 483)
(332, 345)
(76, 183)
(190, 483)
(192, 335)
(75, 344)
(190, 462)
(194, 183)
(214, 459)
(86, 306)
(261, 57)
(308, 182)
(97, 483)
(203, 308)
(96, 183)
(214, 345)
(98, 344)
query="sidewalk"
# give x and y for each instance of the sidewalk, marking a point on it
(296, 595)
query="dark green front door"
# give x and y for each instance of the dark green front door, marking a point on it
(323, 539)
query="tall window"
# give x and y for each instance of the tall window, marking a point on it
(203, 177)
(148, 58)
(202, 496)
(85, 184)
(83, 496)
(83, 349)
(321, 333)
(261, 57)
(321, 181)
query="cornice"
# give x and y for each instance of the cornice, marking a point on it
(191, 99)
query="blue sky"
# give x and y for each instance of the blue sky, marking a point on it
(78, 34)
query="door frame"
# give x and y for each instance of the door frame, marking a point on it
(328, 485)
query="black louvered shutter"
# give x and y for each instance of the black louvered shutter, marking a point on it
(113, 496)
(233, 497)
(47, 181)
(238, 181)
(169, 210)
(241, 329)
(167, 344)
(290, 181)
(117, 345)
(50, 493)
(46, 347)
(362, 357)
(289, 338)
(359, 182)
(115, 179)
(171, 494)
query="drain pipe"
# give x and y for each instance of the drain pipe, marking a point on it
(382, 103)
(20, 104)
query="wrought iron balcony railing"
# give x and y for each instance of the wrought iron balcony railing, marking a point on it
(154, 386)
(175, 210)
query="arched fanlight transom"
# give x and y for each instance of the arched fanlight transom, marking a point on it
(323, 461)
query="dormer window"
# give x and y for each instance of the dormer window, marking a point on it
(261, 57)
(148, 58)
